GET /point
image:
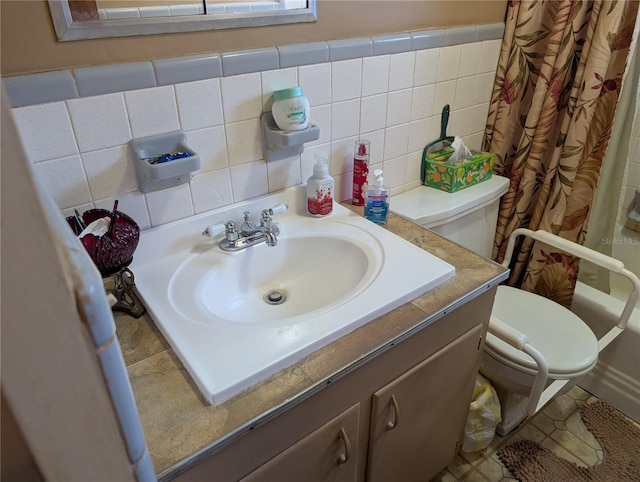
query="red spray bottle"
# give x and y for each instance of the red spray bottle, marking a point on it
(360, 171)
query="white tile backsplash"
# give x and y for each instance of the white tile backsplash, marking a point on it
(169, 204)
(315, 81)
(396, 140)
(489, 56)
(321, 116)
(426, 67)
(211, 190)
(465, 92)
(341, 157)
(479, 115)
(377, 140)
(249, 180)
(211, 146)
(445, 94)
(393, 171)
(470, 59)
(45, 131)
(460, 122)
(419, 134)
(244, 141)
(448, 63)
(412, 169)
(345, 119)
(422, 103)
(373, 113)
(241, 97)
(65, 180)
(401, 67)
(273, 80)
(152, 111)
(108, 129)
(346, 80)
(80, 145)
(199, 104)
(283, 173)
(375, 75)
(133, 203)
(484, 88)
(109, 172)
(399, 107)
(308, 159)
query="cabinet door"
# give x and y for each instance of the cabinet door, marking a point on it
(417, 419)
(326, 455)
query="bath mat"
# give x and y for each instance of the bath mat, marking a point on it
(619, 438)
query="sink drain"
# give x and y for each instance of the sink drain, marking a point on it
(275, 297)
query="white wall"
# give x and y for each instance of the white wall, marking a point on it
(51, 376)
(632, 181)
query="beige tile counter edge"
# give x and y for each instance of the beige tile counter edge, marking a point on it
(181, 428)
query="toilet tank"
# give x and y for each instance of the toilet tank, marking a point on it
(467, 217)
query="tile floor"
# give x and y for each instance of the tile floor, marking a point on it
(557, 427)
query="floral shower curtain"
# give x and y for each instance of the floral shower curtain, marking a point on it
(552, 108)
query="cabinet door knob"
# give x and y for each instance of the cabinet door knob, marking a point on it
(393, 422)
(344, 457)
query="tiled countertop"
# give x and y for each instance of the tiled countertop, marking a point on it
(180, 426)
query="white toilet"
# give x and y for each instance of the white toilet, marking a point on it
(467, 217)
(548, 326)
(560, 348)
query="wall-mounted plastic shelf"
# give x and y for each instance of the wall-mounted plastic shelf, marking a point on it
(278, 144)
(154, 174)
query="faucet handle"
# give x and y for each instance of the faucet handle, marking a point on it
(278, 209)
(247, 225)
(213, 230)
(230, 231)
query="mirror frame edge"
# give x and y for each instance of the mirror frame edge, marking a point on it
(67, 29)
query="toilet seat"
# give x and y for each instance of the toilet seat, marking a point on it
(548, 326)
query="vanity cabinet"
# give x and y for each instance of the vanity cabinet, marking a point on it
(415, 419)
(326, 455)
(400, 415)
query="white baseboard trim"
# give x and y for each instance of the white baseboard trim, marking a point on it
(617, 388)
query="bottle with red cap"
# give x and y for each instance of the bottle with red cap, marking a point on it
(360, 171)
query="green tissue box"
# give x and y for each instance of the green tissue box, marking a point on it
(454, 176)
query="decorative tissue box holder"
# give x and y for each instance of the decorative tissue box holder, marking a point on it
(454, 176)
(167, 172)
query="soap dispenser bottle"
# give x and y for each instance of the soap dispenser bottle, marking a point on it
(320, 187)
(376, 206)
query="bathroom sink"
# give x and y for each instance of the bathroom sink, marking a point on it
(235, 318)
(279, 285)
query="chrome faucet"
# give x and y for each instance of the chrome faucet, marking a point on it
(249, 234)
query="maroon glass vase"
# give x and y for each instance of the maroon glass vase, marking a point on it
(112, 254)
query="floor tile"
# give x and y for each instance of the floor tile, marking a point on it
(577, 447)
(558, 427)
(562, 452)
(493, 469)
(459, 467)
(543, 422)
(575, 426)
(531, 432)
(560, 408)
(474, 476)
(444, 476)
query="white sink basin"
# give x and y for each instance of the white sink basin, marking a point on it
(235, 318)
(280, 285)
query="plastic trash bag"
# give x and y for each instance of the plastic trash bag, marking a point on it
(483, 418)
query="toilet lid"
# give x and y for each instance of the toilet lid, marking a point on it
(566, 342)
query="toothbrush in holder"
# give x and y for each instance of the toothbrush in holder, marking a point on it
(111, 223)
